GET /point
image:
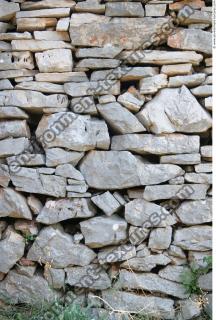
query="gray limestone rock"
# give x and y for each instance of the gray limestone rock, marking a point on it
(160, 238)
(107, 203)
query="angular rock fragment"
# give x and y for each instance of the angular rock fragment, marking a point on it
(56, 60)
(205, 282)
(195, 212)
(160, 238)
(64, 209)
(103, 231)
(182, 159)
(12, 249)
(15, 36)
(189, 309)
(151, 85)
(206, 152)
(8, 10)
(163, 144)
(193, 177)
(177, 69)
(155, 10)
(16, 60)
(19, 73)
(68, 171)
(202, 91)
(57, 156)
(107, 203)
(196, 238)
(38, 45)
(130, 101)
(121, 169)
(189, 81)
(92, 6)
(77, 186)
(84, 105)
(147, 263)
(13, 146)
(63, 24)
(15, 129)
(124, 9)
(203, 167)
(5, 84)
(4, 175)
(119, 118)
(174, 110)
(55, 278)
(114, 253)
(55, 246)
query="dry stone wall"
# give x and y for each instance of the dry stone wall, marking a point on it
(105, 153)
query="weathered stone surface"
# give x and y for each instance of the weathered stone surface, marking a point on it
(160, 238)
(61, 77)
(130, 101)
(15, 36)
(35, 204)
(150, 282)
(205, 282)
(56, 60)
(32, 181)
(209, 103)
(107, 203)
(119, 118)
(147, 263)
(177, 69)
(12, 113)
(16, 60)
(206, 151)
(13, 146)
(51, 35)
(191, 39)
(195, 4)
(32, 24)
(95, 31)
(27, 160)
(20, 73)
(32, 290)
(4, 26)
(184, 159)
(68, 171)
(45, 87)
(186, 191)
(114, 253)
(174, 110)
(194, 238)
(193, 177)
(139, 212)
(74, 132)
(202, 91)
(81, 277)
(8, 10)
(92, 6)
(189, 81)
(173, 273)
(44, 13)
(32, 100)
(189, 309)
(63, 24)
(77, 186)
(12, 249)
(159, 57)
(38, 45)
(203, 167)
(14, 128)
(144, 305)
(5, 84)
(84, 105)
(57, 156)
(108, 51)
(55, 246)
(97, 63)
(195, 212)
(96, 88)
(4, 175)
(200, 17)
(4, 46)
(153, 84)
(163, 144)
(121, 169)
(55, 278)
(103, 231)
(155, 10)
(44, 4)
(124, 9)
(64, 209)
(13, 204)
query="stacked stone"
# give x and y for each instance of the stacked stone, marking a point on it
(105, 153)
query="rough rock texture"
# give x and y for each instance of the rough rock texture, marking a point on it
(106, 155)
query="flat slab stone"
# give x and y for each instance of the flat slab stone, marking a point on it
(116, 253)
(61, 77)
(193, 177)
(189, 81)
(108, 51)
(33, 24)
(98, 63)
(14, 128)
(95, 31)
(44, 13)
(175, 110)
(195, 212)
(38, 45)
(96, 88)
(163, 144)
(47, 4)
(146, 264)
(16, 60)
(56, 60)
(121, 169)
(13, 146)
(124, 9)
(173, 273)
(151, 85)
(92, 6)
(44, 87)
(51, 35)
(184, 159)
(8, 10)
(177, 69)
(56, 156)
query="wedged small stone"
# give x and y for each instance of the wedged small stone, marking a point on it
(51, 35)
(203, 167)
(121, 169)
(96, 88)
(4, 175)
(163, 144)
(177, 180)
(130, 101)
(35, 204)
(206, 152)
(114, 253)
(129, 302)
(183, 159)
(44, 13)
(177, 69)
(186, 191)
(202, 91)
(74, 132)
(12, 247)
(57, 156)
(33, 24)
(103, 231)
(54, 246)
(160, 238)
(32, 290)
(198, 16)
(13, 146)
(108, 51)
(55, 278)
(17, 73)
(92, 6)
(68, 171)
(124, 9)
(44, 4)
(61, 77)
(97, 63)
(191, 39)
(63, 24)
(155, 10)
(209, 103)
(189, 81)
(107, 203)
(56, 60)
(175, 110)
(8, 10)
(84, 105)
(150, 282)
(38, 45)
(79, 195)
(140, 213)
(119, 118)
(14, 128)
(32, 100)
(177, 252)
(208, 80)
(189, 309)
(205, 282)
(81, 277)
(197, 238)
(26, 228)
(32, 181)
(173, 273)
(28, 271)
(64, 209)
(193, 177)
(146, 264)
(107, 98)
(159, 57)
(195, 212)
(77, 186)
(96, 31)
(5, 84)
(44, 87)
(151, 85)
